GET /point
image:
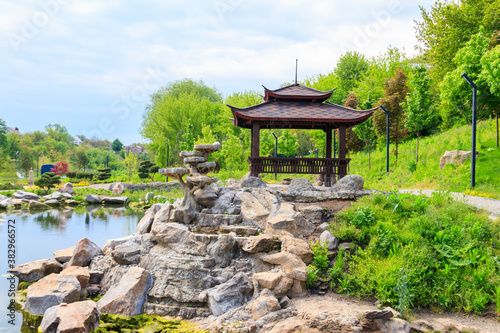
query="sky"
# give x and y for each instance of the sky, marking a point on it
(91, 65)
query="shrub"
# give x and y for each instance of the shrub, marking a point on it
(47, 181)
(103, 173)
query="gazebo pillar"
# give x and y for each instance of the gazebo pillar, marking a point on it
(255, 142)
(328, 154)
(342, 149)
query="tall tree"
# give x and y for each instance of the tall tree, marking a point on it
(353, 142)
(490, 74)
(449, 25)
(131, 164)
(395, 94)
(166, 117)
(420, 114)
(350, 68)
(116, 145)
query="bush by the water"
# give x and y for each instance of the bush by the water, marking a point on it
(416, 251)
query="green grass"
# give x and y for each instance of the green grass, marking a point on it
(417, 252)
(427, 174)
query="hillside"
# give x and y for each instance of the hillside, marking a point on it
(427, 174)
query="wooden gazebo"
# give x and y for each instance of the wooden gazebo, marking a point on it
(300, 107)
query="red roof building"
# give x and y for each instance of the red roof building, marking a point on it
(299, 107)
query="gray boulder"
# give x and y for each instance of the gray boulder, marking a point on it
(115, 200)
(455, 156)
(35, 270)
(52, 290)
(128, 253)
(265, 304)
(5, 203)
(93, 199)
(127, 298)
(327, 239)
(84, 252)
(231, 294)
(145, 224)
(300, 185)
(250, 181)
(76, 317)
(223, 250)
(64, 255)
(67, 188)
(350, 183)
(25, 195)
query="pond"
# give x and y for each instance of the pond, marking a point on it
(39, 235)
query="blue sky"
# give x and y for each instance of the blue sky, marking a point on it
(92, 65)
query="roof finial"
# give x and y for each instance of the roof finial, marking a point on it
(296, 65)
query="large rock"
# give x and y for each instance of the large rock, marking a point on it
(350, 183)
(228, 295)
(313, 213)
(64, 255)
(25, 195)
(249, 181)
(328, 240)
(93, 199)
(79, 317)
(206, 197)
(5, 203)
(296, 246)
(268, 280)
(262, 243)
(128, 253)
(293, 266)
(82, 275)
(67, 188)
(223, 203)
(394, 325)
(287, 219)
(35, 205)
(264, 304)
(128, 296)
(252, 210)
(179, 277)
(115, 200)
(301, 185)
(84, 252)
(379, 314)
(455, 156)
(35, 270)
(111, 244)
(52, 290)
(163, 214)
(223, 250)
(144, 225)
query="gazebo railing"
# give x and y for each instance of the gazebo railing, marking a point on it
(325, 166)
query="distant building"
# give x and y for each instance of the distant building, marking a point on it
(13, 129)
(77, 141)
(134, 149)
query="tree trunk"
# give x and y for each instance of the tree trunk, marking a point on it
(418, 137)
(497, 129)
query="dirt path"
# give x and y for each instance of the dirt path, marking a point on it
(489, 205)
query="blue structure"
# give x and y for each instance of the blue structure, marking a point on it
(46, 168)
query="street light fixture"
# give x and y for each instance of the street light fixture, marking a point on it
(474, 121)
(386, 140)
(275, 152)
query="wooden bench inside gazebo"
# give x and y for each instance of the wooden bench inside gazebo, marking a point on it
(299, 107)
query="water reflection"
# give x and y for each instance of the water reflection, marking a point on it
(40, 234)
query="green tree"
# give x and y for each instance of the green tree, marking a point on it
(418, 108)
(172, 107)
(131, 163)
(456, 94)
(116, 145)
(25, 160)
(449, 25)
(350, 68)
(366, 132)
(80, 158)
(188, 137)
(395, 94)
(287, 143)
(148, 169)
(490, 74)
(47, 181)
(3, 136)
(233, 154)
(353, 142)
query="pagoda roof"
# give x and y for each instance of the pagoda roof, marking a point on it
(291, 114)
(297, 92)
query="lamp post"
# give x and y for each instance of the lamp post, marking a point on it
(387, 139)
(275, 152)
(37, 168)
(17, 152)
(474, 120)
(168, 151)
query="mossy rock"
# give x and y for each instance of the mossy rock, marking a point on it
(143, 324)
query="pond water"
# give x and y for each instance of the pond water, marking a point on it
(39, 235)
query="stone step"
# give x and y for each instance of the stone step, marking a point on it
(174, 310)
